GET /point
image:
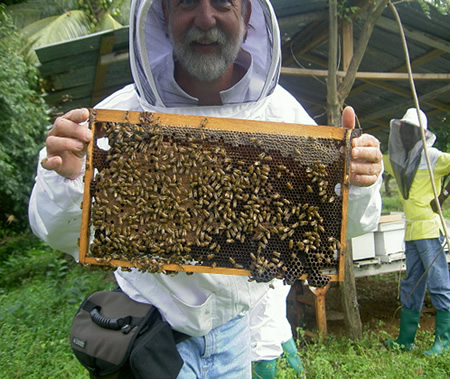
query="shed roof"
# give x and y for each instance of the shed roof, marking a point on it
(83, 71)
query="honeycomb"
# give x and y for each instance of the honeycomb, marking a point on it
(247, 199)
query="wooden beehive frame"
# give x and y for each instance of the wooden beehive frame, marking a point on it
(99, 116)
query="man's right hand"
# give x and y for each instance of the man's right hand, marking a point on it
(67, 144)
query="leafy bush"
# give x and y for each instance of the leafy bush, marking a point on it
(21, 260)
(39, 297)
(23, 125)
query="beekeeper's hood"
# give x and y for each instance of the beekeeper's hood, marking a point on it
(406, 147)
(152, 63)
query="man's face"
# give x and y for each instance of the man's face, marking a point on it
(206, 35)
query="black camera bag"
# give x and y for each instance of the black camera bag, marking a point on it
(116, 337)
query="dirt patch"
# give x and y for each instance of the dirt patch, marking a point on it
(378, 300)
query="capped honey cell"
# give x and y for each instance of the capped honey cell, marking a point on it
(172, 193)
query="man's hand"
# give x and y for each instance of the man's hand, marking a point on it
(366, 157)
(434, 205)
(66, 144)
(441, 198)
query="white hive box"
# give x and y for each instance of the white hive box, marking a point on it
(390, 236)
(363, 247)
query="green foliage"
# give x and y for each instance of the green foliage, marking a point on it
(42, 22)
(392, 204)
(442, 6)
(21, 260)
(344, 10)
(23, 125)
(54, 29)
(441, 127)
(99, 10)
(26, 12)
(36, 309)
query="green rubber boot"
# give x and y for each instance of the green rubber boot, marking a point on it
(442, 334)
(265, 369)
(291, 353)
(409, 322)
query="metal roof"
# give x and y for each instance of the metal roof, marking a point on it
(81, 72)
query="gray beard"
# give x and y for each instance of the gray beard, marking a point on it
(207, 67)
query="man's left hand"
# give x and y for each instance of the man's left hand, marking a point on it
(366, 156)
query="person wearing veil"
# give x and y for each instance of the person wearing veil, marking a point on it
(208, 58)
(425, 256)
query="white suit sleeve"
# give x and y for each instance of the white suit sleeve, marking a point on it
(54, 210)
(364, 209)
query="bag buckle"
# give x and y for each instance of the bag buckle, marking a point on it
(126, 328)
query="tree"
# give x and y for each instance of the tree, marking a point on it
(42, 22)
(337, 91)
(341, 12)
(23, 125)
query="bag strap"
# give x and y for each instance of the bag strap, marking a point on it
(125, 324)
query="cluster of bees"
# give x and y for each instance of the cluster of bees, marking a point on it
(195, 196)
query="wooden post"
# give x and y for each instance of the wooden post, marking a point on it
(347, 43)
(320, 309)
(349, 298)
(333, 106)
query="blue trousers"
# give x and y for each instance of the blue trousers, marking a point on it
(419, 255)
(223, 353)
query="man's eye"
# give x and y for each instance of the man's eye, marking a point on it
(223, 3)
(188, 2)
(216, 3)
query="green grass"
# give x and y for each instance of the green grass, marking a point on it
(40, 291)
(342, 358)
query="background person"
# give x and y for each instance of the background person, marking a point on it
(200, 57)
(424, 232)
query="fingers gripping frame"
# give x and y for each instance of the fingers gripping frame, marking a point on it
(167, 193)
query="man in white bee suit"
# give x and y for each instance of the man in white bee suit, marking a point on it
(209, 58)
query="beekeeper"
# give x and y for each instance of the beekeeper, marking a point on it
(209, 58)
(407, 162)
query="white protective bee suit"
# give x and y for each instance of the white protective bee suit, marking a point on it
(198, 303)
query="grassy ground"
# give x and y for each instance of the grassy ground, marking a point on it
(40, 291)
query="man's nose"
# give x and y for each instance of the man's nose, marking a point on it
(205, 15)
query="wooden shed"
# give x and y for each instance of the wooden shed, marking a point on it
(83, 71)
